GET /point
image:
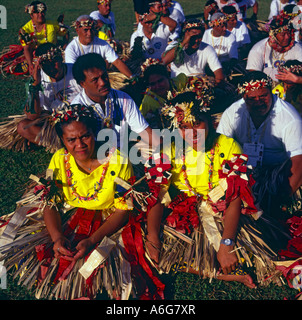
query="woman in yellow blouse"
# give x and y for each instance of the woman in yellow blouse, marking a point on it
(80, 210)
(39, 30)
(210, 189)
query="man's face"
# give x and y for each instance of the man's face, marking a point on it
(259, 101)
(86, 35)
(159, 84)
(196, 37)
(284, 38)
(220, 30)
(38, 17)
(232, 22)
(157, 7)
(96, 83)
(104, 9)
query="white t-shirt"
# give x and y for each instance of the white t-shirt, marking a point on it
(95, 15)
(225, 46)
(195, 63)
(281, 132)
(241, 34)
(263, 58)
(230, 3)
(276, 7)
(54, 93)
(76, 49)
(120, 107)
(155, 46)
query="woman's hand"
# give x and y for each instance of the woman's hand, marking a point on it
(60, 249)
(82, 248)
(227, 259)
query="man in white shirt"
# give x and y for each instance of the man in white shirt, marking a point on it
(222, 40)
(239, 30)
(152, 40)
(190, 55)
(87, 42)
(267, 54)
(115, 108)
(105, 19)
(52, 84)
(268, 128)
(245, 4)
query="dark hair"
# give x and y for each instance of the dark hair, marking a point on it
(229, 10)
(86, 62)
(156, 69)
(44, 48)
(290, 63)
(289, 8)
(199, 115)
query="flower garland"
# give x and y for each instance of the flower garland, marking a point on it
(52, 54)
(84, 24)
(98, 185)
(40, 7)
(254, 85)
(149, 62)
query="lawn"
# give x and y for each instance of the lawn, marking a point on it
(15, 167)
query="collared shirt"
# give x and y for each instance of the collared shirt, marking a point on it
(281, 132)
(241, 34)
(123, 111)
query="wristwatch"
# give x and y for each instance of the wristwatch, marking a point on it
(227, 242)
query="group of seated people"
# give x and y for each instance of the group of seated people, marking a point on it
(214, 195)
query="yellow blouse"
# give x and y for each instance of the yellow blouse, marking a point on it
(52, 31)
(85, 183)
(198, 164)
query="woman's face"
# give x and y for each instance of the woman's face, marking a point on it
(79, 140)
(38, 17)
(159, 84)
(194, 134)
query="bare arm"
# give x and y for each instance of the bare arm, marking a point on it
(122, 67)
(295, 181)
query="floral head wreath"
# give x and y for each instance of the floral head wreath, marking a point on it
(229, 16)
(218, 22)
(253, 85)
(193, 25)
(149, 62)
(183, 111)
(66, 112)
(84, 23)
(295, 68)
(101, 2)
(40, 7)
(51, 54)
(279, 24)
(290, 15)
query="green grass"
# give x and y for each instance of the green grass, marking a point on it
(15, 167)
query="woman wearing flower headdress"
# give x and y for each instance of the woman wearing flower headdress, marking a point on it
(69, 214)
(210, 227)
(39, 30)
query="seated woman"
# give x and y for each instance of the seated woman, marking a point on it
(212, 212)
(80, 210)
(157, 79)
(39, 30)
(290, 87)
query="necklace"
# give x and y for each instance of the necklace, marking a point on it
(35, 32)
(97, 187)
(107, 119)
(213, 44)
(211, 165)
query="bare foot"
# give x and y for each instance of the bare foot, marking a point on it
(153, 249)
